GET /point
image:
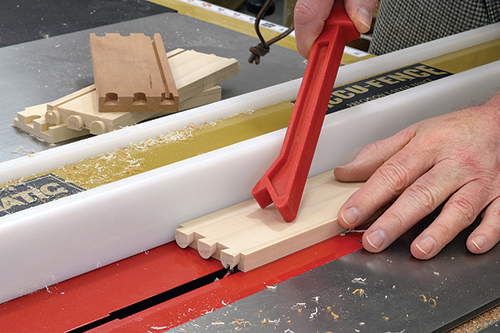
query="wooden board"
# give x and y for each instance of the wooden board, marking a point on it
(132, 74)
(248, 236)
(196, 75)
(231, 4)
(52, 126)
(195, 72)
(83, 112)
(32, 121)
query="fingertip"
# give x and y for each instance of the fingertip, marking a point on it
(487, 234)
(480, 244)
(341, 172)
(353, 172)
(363, 20)
(348, 217)
(424, 248)
(303, 47)
(374, 241)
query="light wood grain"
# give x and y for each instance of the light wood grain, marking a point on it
(32, 121)
(49, 122)
(195, 72)
(248, 236)
(132, 74)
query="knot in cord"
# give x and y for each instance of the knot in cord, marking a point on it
(263, 48)
(257, 52)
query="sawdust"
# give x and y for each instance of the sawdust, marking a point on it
(129, 161)
(174, 146)
(484, 320)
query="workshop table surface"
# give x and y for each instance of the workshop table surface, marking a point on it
(41, 71)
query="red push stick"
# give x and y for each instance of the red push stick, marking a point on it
(284, 182)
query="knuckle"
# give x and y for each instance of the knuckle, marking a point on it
(423, 197)
(374, 147)
(465, 209)
(398, 221)
(395, 175)
(303, 13)
(494, 212)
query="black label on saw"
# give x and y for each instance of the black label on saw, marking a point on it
(34, 192)
(382, 85)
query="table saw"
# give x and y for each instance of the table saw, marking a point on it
(103, 259)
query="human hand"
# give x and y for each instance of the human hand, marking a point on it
(455, 156)
(310, 17)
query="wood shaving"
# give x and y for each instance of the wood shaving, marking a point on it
(360, 291)
(21, 151)
(359, 280)
(298, 305)
(313, 314)
(432, 302)
(241, 323)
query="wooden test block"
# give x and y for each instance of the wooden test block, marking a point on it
(32, 121)
(132, 73)
(56, 122)
(77, 114)
(248, 236)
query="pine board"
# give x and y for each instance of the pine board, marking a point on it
(196, 75)
(248, 236)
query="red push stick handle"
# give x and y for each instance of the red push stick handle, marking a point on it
(284, 182)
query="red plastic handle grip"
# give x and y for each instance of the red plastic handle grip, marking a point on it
(284, 182)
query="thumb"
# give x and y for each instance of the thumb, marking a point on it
(361, 13)
(371, 157)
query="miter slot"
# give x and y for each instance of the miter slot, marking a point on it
(154, 300)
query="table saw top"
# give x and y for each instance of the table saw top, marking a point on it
(53, 67)
(44, 70)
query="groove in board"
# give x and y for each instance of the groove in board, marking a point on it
(248, 236)
(132, 74)
(49, 121)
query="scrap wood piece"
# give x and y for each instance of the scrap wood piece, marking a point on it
(201, 90)
(194, 71)
(32, 121)
(195, 74)
(132, 73)
(193, 91)
(83, 112)
(48, 122)
(248, 236)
